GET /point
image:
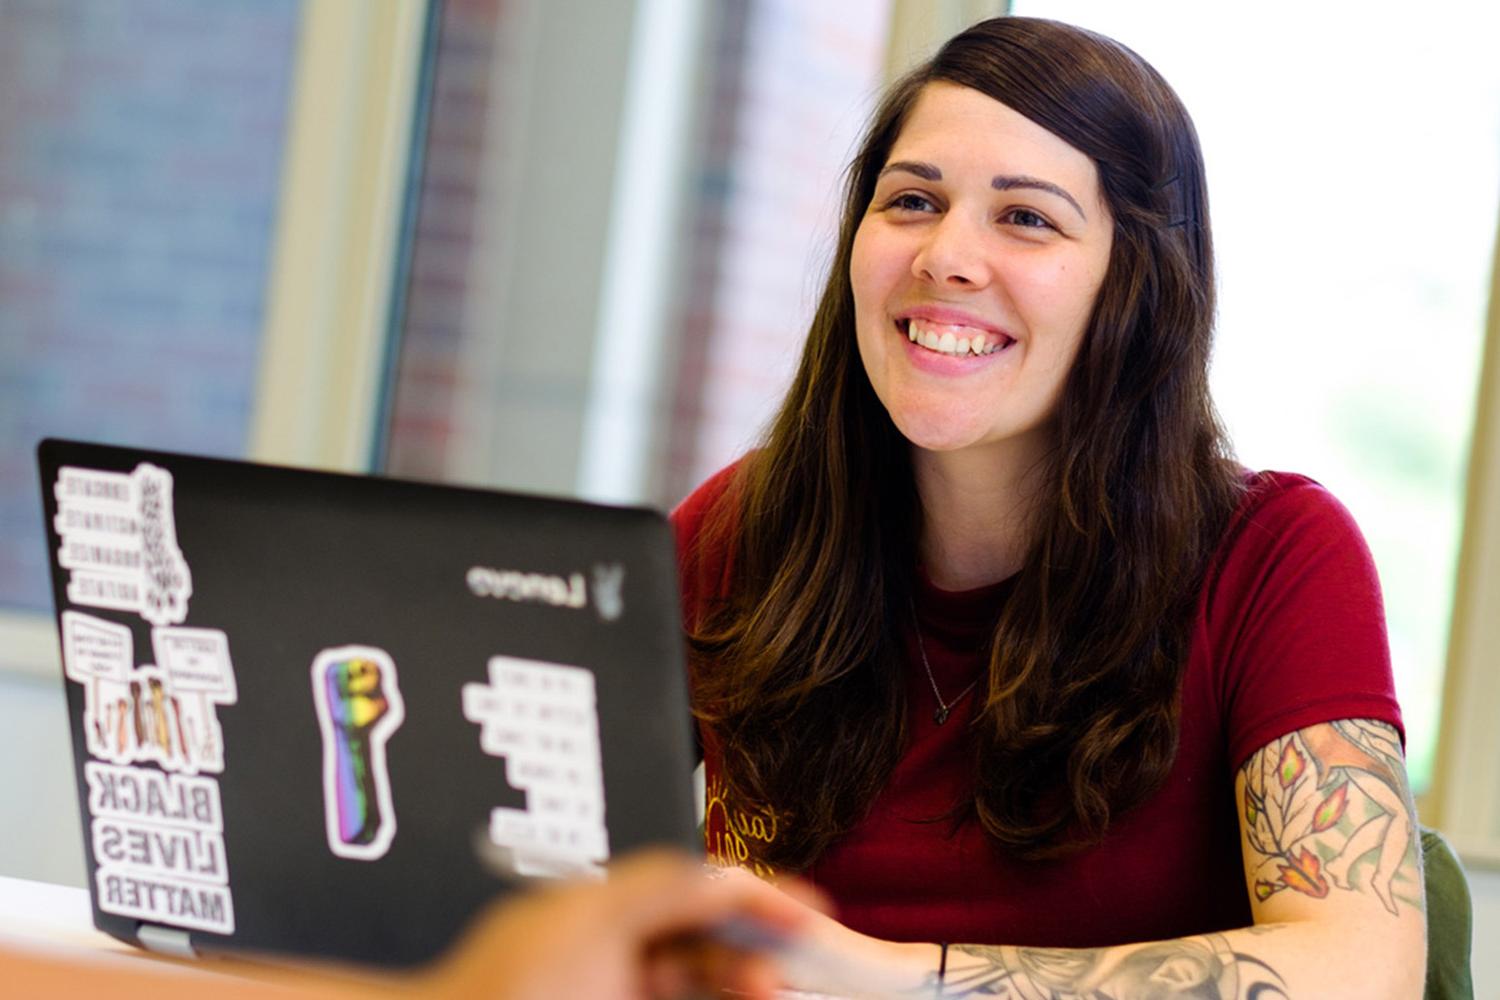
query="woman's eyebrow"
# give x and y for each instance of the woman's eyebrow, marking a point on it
(926, 171)
(1001, 182)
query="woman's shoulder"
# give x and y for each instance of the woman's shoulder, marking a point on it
(693, 519)
(688, 516)
(1294, 617)
(1289, 532)
(1275, 504)
(702, 530)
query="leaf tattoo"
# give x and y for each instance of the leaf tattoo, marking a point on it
(1300, 812)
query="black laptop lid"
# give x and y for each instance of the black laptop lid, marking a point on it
(298, 698)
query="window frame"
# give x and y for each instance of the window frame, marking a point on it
(1464, 801)
(339, 236)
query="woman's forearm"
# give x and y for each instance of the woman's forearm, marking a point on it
(1268, 960)
(1326, 961)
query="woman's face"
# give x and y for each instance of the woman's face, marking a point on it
(975, 270)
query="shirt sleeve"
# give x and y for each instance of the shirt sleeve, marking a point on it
(1296, 619)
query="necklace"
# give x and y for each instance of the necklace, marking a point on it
(944, 708)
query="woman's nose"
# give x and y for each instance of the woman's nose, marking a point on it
(952, 255)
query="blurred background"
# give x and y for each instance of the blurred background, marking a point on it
(571, 247)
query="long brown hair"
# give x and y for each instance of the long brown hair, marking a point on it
(798, 671)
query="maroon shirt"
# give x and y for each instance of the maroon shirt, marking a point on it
(1290, 632)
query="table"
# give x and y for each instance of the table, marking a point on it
(56, 921)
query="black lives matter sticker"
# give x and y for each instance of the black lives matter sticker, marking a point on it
(158, 842)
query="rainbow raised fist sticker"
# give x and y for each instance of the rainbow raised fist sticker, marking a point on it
(359, 707)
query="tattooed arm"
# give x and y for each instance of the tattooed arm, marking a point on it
(1334, 875)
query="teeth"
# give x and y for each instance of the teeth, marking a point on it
(976, 344)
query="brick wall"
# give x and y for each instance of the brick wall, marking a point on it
(792, 86)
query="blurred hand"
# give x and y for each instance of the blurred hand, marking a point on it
(643, 933)
(825, 957)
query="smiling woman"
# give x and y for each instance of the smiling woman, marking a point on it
(992, 638)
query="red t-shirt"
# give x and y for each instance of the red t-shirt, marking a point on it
(1290, 632)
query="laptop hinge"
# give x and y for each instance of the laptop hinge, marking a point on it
(166, 941)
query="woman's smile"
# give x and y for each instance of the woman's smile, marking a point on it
(952, 332)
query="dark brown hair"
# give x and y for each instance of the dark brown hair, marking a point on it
(798, 670)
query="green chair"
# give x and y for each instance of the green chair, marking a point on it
(1450, 921)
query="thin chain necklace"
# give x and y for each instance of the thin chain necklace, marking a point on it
(944, 708)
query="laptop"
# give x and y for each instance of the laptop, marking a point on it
(310, 710)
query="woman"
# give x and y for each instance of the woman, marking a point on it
(991, 639)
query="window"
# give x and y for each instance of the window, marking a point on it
(621, 328)
(1352, 160)
(138, 186)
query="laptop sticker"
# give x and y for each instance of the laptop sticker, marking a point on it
(609, 581)
(119, 542)
(99, 655)
(158, 841)
(134, 714)
(199, 674)
(543, 719)
(359, 707)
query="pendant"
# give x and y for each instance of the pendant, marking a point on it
(940, 714)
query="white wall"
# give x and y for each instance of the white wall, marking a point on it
(40, 833)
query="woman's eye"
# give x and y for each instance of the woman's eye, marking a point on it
(910, 202)
(1026, 218)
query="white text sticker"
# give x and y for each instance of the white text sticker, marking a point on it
(119, 542)
(158, 842)
(543, 719)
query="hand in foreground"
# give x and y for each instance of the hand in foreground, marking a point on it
(645, 932)
(826, 958)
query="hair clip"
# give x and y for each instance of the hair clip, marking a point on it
(1181, 219)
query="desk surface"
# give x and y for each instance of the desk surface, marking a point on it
(36, 914)
(57, 921)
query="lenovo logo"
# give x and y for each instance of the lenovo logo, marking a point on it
(572, 591)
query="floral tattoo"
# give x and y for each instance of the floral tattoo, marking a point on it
(1327, 800)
